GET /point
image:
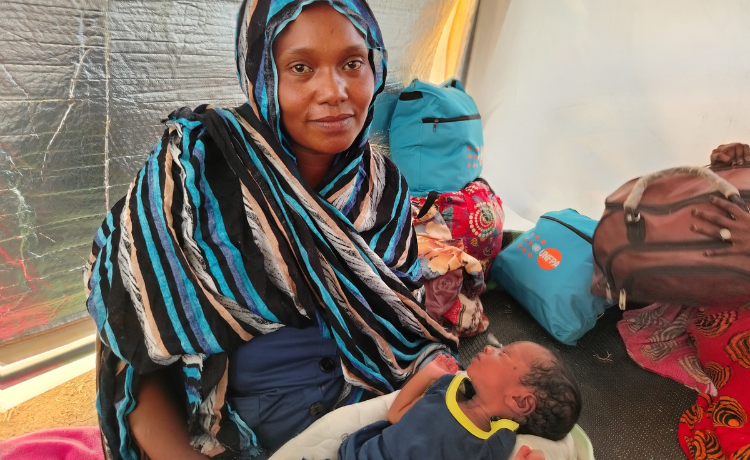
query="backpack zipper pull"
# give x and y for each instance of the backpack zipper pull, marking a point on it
(434, 126)
(623, 299)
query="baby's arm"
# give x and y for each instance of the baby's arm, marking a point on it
(415, 388)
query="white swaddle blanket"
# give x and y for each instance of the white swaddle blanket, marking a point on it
(322, 439)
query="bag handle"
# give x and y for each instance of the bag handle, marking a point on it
(484, 181)
(431, 198)
(722, 185)
(453, 83)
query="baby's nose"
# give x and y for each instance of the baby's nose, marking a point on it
(488, 349)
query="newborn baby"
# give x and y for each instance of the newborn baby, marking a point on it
(520, 388)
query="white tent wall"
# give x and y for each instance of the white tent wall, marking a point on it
(578, 96)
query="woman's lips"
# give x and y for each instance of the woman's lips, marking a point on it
(334, 123)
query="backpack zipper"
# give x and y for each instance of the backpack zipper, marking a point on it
(668, 209)
(435, 121)
(676, 270)
(723, 167)
(654, 247)
(588, 239)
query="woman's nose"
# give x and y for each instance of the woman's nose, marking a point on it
(331, 88)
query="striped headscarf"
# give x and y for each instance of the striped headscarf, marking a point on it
(218, 240)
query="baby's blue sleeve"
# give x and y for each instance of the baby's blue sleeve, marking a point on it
(501, 444)
(440, 384)
(366, 443)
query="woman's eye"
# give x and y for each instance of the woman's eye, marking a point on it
(353, 65)
(300, 68)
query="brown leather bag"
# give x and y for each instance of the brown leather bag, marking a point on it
(644, 250)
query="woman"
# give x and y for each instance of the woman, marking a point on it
(263, 255)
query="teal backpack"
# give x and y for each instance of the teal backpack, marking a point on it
(436, 137)
(548, 271)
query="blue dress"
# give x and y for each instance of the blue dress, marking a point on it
(280, 383)
(435, 429)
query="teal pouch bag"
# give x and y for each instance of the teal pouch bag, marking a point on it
(548, 271)
(436, 137)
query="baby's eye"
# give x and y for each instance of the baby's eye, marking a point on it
(353, 65)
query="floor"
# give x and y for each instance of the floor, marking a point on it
(70, 404)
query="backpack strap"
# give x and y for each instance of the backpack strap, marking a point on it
(431, 198)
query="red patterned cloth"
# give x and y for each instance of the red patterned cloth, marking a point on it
(656, 338)
(474, 215)
(716, 427)
(453, 314)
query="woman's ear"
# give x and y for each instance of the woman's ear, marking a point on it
(522, 404)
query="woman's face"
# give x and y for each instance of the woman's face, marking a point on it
(325, 81)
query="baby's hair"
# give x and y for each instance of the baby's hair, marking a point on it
(558, 399)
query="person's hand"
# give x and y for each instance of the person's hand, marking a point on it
(526, 453)
(731, 154)
(441, 365)
(731, 224)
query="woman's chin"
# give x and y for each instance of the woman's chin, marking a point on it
(333, 148)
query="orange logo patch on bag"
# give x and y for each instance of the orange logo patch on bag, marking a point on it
(475, 157)
(549, 258)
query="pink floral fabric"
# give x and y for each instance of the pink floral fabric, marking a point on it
(475, 216)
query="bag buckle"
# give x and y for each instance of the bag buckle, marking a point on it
(632, 216)
(634, 225)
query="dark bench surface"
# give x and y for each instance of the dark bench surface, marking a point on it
(628, 412)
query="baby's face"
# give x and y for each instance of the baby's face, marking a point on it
(499, 370)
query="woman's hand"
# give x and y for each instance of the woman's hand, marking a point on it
(526, 453)
(731, 154)
(731, 224)
(158, 421)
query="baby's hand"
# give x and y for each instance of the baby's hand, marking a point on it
(525, 453)
(448, 363)
(442, 364)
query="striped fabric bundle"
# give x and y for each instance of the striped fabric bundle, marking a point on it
(219, 240)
